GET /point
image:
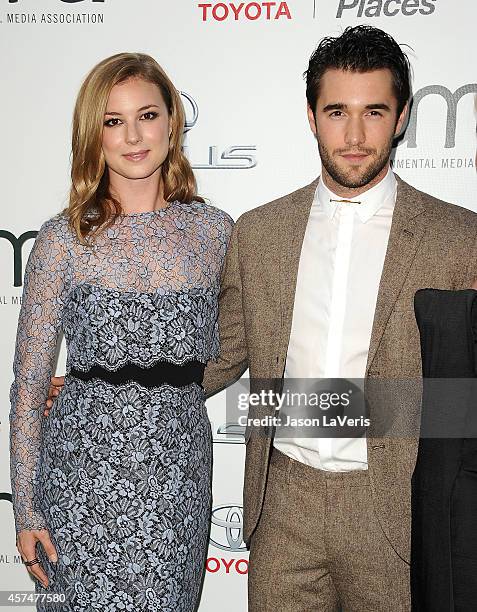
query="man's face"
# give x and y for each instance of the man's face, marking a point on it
(355, 122)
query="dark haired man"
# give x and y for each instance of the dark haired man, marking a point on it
(320, 283)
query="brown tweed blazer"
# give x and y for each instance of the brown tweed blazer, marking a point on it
(431, 244)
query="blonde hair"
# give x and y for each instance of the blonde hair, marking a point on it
(91, 207)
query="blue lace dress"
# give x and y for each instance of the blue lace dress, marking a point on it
(120, 472)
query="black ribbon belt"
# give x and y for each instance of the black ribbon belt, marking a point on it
(160, 373)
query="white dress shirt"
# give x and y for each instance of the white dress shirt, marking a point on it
(338, 278)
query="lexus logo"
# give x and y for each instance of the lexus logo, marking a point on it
(230, 433)
(233, 157)
(227, 528)
(191, 111)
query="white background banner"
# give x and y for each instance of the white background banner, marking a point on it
(239, 66)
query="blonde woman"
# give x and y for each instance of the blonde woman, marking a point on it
(111, 492)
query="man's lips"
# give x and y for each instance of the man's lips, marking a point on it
(136, 155)
(354, 157)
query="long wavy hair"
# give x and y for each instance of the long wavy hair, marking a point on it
(91, 207)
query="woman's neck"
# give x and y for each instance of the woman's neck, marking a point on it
(138, 195)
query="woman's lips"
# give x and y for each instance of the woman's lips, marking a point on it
(139, 156)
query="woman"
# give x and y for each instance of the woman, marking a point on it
(112, 492)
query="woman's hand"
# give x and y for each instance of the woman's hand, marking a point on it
(26, 544)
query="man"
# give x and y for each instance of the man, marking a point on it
(320, 284)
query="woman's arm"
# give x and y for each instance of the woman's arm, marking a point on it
(45, 286)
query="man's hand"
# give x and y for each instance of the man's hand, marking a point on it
(56, 385)
(474, 284)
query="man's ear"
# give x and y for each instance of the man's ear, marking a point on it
(401, 122)
(311, 119)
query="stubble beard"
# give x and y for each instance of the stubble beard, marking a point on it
(355, 179)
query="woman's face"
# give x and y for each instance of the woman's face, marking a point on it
(136, 130)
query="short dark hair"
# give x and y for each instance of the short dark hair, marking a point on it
(359, 49)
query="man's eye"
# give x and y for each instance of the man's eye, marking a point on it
(112, 122)
(375, 113)
(336, 113)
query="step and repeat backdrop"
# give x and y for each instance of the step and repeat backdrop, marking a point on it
(239, 67)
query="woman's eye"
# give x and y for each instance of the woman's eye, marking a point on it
(150, 115)
(112, 122)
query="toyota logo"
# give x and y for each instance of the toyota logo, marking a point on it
(227, 528)
(191, 111)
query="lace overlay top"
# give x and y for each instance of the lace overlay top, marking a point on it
(145, 292)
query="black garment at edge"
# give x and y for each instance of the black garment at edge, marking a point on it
(444, 483)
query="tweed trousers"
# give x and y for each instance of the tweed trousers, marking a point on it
(319, 546)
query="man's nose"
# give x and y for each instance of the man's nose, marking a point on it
(355, 134)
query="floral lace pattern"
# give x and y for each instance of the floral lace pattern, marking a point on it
(126, 491)
(110, 328)
(145, 292)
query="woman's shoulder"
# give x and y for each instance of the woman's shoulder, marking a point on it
(210, 215)
(52, 247)
(56, 227)
(56, 232)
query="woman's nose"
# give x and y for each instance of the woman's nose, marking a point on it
(133, 135)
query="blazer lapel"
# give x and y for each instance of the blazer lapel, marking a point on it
(407, 230)
(292, 231)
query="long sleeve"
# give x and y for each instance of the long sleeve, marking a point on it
(45, 285)
(233, 358)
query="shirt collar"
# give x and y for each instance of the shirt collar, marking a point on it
(382, 194)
